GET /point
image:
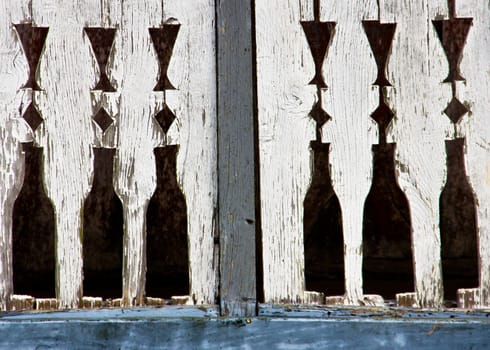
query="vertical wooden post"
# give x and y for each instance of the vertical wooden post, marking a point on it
(236, 157)
(13, 75)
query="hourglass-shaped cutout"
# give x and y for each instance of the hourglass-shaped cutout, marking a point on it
(380, 36)
(32, 39)
(318, 34)
(101, 40)
(453, 33)
(163, 41)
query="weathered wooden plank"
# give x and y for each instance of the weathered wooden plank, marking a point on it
(475, 67)
(350, 72)
(418, 98)
(236, 157)
(177, 328)
(135, 71)
(13, 76)
(284, 101)
(66, 74)
(193, 69)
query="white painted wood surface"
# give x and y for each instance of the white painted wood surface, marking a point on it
(475, 67)
(285, 66)
(67, 73)
(13, 75)
(416, 68)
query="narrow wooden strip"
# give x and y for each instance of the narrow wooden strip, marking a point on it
(285, 132)
(236, 158)
(66, 73)
(406, 299)
(350, 71)
(475, 92)
(13, 130)
(418, 97)
(193, 72)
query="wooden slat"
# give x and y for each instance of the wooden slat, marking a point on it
(416, 69)
(193, 71)
(13, 76)
(236, 157)
(135, 71)
(475, 67)
(350, 71)
(285, 131)
(66, 74)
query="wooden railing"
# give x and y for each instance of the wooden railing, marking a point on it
(333, 152)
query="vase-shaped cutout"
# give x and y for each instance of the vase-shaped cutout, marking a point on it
(167, 252)
(102, 231)
(458, 226)
(33, 231)
(387, 242)
(322, 230)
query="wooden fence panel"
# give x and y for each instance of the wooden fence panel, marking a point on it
(86, 96)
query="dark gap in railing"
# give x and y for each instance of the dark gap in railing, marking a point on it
(387, 249)
(103, 231)
(459, 246)
(323, 237)
(259, 260)
(167, 254)
(33, 226)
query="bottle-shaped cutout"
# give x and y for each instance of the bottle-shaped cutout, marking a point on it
(387, 248)
(167, 256)
(163, 41)
(32, 39)
(101, 40)
(323, 237)
(459, 246)
(102, 231)
(33, 231)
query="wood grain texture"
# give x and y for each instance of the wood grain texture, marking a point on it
(416, 69)
(236, 158)
(135, 72)
(475, 67)
(284, 101)
(284, 68)
(13, 75)
(193, 72)
(66, 73)
(350, 71)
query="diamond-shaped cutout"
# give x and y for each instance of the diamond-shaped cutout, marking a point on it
(103, 119)
(32, 117)
(455, 110)
(382, 115)
(319, 115)
(165, 118)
